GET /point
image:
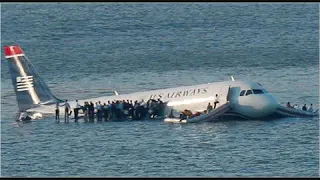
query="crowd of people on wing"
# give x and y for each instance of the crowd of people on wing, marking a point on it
(304, 107)
(114, 110)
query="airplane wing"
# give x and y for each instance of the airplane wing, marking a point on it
(292, 112)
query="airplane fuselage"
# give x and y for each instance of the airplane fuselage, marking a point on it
(195, 98)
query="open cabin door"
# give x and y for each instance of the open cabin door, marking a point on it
(223, 94)
(233, 94)
(229, 93)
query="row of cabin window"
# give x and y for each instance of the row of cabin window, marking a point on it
(248, 92)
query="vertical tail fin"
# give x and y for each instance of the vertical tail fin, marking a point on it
(30, 89)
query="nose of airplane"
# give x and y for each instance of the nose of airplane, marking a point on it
(268, 104)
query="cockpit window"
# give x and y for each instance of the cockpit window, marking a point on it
(248, 92)
(257, 91)
(242, 92)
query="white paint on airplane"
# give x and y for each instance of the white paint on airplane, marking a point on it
(247, 99)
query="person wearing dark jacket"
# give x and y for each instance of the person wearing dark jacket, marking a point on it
(76, 110)
(66, 111)
(57, 112)
(304, 107)
(85, 110)
(91, 111)
(216, 101)
(105, 111)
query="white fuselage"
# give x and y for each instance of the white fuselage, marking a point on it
(195, 98)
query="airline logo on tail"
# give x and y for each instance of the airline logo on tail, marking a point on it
(24, 83)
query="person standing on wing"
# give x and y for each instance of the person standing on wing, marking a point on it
(310, 108)
(209, 107)
(66, 111)
(216, 101)
(98, 107)
(304, 107)
(57, 112)
(289, 105)
(76, 110)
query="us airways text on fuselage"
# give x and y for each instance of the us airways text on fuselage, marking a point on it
(177, 94)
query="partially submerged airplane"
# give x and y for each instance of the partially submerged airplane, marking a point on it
(244, 99)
